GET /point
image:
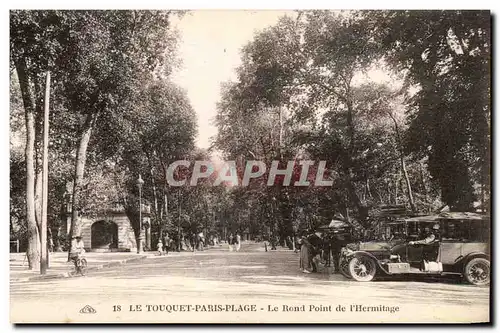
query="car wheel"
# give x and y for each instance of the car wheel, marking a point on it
(362, 268)
(477, 271)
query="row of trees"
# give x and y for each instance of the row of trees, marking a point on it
(114, 114)
(421, 138)
(303, 92)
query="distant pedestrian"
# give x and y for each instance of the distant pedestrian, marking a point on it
(194, 242)
(305, 262)
(238, 241)
(297, 243)
(316, 241)
(160, 247)
(274, 242)
(200, 239)
(230, 242)
(167, 244)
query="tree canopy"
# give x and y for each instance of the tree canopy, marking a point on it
(305, 91)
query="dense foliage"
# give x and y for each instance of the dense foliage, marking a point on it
(305, 90)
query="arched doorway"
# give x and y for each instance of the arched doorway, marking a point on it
(104, 235)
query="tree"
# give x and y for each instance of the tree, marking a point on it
(160, 130)
(301, 94)
(30, 58)
(446, 56)
(98, 60)
(116, 52)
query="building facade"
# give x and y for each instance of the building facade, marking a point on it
(112, 231)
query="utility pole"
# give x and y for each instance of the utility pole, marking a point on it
(179, 222)
(140, 183)
(45, 178)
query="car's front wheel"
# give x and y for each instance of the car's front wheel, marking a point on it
(362, 268)
(477, 271)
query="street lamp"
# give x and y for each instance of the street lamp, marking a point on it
(139, 184)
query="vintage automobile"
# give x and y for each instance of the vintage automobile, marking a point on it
(461, 248)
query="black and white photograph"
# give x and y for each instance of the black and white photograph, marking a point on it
(190, 166)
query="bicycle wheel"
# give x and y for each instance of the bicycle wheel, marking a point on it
(82, 266)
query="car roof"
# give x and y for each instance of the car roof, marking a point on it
(450, 216)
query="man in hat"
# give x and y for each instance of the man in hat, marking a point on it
(429, 236)
(316, 241)
(430, 242)
(77, 248)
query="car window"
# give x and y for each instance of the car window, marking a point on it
(466, 231)
(479, 231)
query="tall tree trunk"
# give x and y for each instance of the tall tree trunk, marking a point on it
(396, 188)
(351, 190)
(33, 251)
(38, 155)
(157, 219)
(281, 133)
(403, 164)
(81, 157)
(38, 194)
(155, 196)
(165, 200)
(422, 179)
(389, 201)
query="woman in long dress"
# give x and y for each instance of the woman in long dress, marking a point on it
(305, 256)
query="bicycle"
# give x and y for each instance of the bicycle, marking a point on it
(80, 265)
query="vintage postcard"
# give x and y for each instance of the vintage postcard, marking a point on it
(246, 166)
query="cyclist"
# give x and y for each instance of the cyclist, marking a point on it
(77, 250)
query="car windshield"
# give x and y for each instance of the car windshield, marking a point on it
(416, 229)
(396, 231)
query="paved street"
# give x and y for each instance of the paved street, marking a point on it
(207, 281)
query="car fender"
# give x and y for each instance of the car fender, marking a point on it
(462, 261)
(367, 254)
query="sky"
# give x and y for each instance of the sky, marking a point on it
(210, 51)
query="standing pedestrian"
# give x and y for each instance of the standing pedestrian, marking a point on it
(305, 262)
(297, 242)
(315, 241)
(230, 242)
(238, 241)
(160, 247)
(167, 244)
(288, 242)
(200, 238)
(274, 241)
(194, 241)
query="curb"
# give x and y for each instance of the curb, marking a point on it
(89, 269)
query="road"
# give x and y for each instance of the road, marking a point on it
(247, 286)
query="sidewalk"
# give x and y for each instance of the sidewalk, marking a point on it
(59, 267)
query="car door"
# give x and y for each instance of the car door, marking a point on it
(415, 253)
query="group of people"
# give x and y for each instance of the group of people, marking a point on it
(234, 241)
(319, 247)
(186, 242)
(316, 247)
(190, 242)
